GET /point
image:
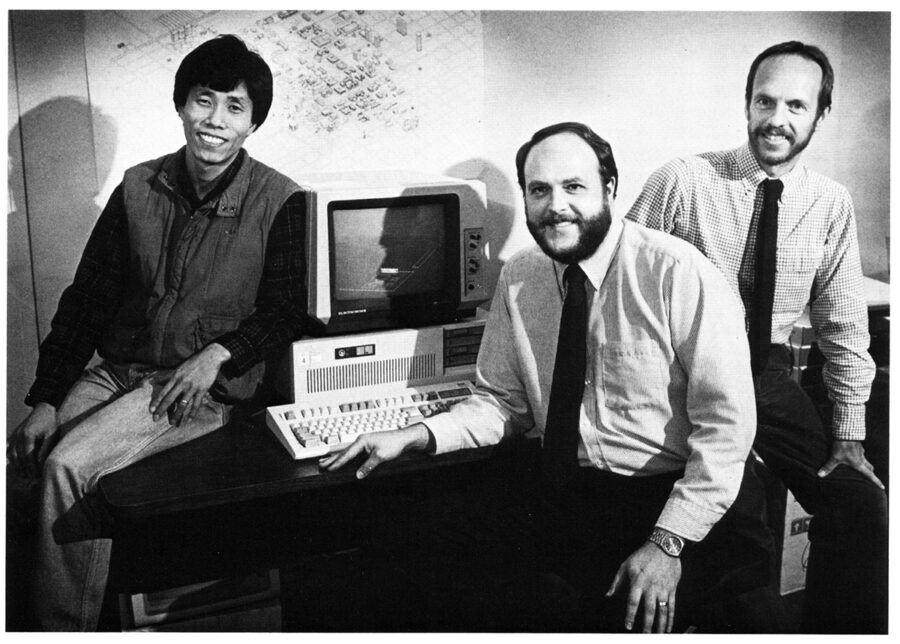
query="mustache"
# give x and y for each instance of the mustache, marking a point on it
(771, 129)
(552, 220)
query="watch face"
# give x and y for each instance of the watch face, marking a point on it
(672, 545)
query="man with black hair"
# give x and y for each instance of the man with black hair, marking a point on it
(606, 341)
(725, 203)
(191, 279)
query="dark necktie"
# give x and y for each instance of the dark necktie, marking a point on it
(760, 333)
(560, 453)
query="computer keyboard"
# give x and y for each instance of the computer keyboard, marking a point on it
(314, 428)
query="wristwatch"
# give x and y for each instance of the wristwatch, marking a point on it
(669, 543)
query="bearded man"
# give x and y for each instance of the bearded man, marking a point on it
(609, 342)
(725, 203)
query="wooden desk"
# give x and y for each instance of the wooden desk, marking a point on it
(234, 500)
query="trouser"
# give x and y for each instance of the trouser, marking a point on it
(507, 554)
(105, 424)
(846, 580)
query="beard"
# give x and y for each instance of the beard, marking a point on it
(777, 158)
(591, 233)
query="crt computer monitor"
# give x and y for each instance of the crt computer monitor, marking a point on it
(392, 250)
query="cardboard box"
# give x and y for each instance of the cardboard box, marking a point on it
(802, 335)
(795, 548)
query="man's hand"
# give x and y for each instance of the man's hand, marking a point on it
(380, 447)
(853, 454)
(652, 576)
(184, 389)
(31, 442)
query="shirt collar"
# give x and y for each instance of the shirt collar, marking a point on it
(752, 174)
(597, 265)
(225, 198)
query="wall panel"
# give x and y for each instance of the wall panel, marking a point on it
(57, 165)
(21, 319)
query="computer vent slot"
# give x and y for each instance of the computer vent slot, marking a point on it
(366, 374)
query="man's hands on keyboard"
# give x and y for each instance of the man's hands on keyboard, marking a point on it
(379, 447)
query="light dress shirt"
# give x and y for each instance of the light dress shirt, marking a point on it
(667, 384)
(713, 202)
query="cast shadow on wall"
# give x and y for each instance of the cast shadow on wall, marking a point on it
(501, 194)
(69, 149)
(59, 154)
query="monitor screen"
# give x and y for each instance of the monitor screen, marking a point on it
(388, 251)
(390, 256)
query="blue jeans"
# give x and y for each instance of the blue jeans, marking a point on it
(104, 425)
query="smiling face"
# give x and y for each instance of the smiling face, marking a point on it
(567, 203)
(781, 113)
(216, 124)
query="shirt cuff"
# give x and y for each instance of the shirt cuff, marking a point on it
(446, 434)
(243, 356)
(46, 392)
(687, 520)
(849, 421)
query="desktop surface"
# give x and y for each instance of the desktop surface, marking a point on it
(238, 463)
(235, 501)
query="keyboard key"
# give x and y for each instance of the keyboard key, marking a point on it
(453, 393)
(309, 440)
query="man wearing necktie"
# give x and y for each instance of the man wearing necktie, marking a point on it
(785, 237)
(606, 341)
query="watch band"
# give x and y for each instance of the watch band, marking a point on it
(671, 544)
